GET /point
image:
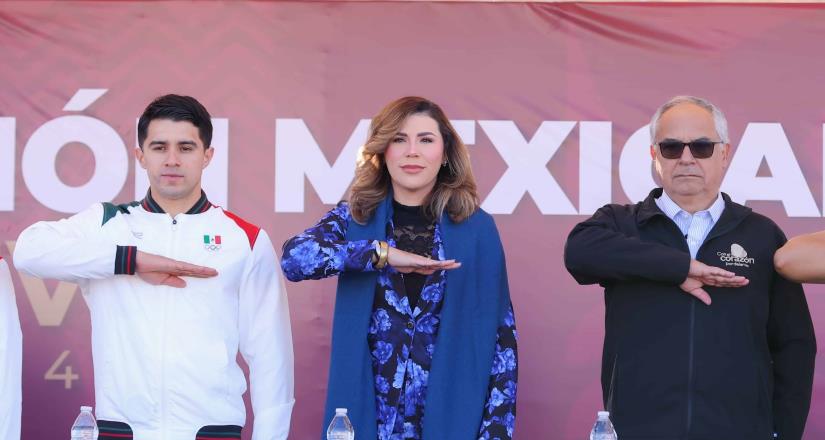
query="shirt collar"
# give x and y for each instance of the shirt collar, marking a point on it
(149, 204)
(671, 209)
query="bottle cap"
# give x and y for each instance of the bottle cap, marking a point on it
(604, 414)
(86, 408)
(340, 410)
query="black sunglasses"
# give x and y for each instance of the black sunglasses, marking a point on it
(700, 148)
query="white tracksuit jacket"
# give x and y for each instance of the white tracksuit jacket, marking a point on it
(165, 358)
(11, 358)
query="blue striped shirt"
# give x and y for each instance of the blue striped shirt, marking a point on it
(694, 227)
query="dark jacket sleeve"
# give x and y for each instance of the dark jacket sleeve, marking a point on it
(599, 251)
(792, 343)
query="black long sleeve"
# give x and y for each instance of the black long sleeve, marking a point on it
(598, 250)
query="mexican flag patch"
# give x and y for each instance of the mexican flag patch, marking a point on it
(211, 242)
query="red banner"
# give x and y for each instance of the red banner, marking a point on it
(553, 100)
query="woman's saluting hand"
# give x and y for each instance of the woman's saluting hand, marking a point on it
(406, 262)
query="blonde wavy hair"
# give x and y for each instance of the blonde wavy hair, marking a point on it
(455, 187)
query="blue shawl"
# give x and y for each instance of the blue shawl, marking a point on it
(476, 298)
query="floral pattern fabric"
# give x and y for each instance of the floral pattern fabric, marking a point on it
(402, 339)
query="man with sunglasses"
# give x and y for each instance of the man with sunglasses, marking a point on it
(675, 364)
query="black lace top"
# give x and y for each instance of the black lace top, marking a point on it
(413, 233)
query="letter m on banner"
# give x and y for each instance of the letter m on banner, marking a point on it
(297, 155)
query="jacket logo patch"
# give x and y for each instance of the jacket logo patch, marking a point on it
(738, 256)
(212, 242)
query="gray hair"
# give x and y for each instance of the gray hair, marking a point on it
(719, 120)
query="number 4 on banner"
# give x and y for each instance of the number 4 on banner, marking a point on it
(67, 376)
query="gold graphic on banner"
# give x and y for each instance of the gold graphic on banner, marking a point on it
(67, 376)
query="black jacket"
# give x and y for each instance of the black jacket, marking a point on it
(673, 368)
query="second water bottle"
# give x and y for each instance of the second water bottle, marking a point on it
(603, 429)
(340, 428)
(85, 426)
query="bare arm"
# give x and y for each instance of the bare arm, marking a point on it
(800, 259)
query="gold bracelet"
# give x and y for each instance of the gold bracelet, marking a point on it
(383, 254)
(376, 250)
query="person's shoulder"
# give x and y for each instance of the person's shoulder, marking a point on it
(98, 214)
(623, 207)
(767, 224)
(761, 219)
(761, 223)
(481, 218)
(251, 230)
(749, 215)
(112, 210)
(646, 206)
(620, 210)
(480, 223)
(341, 209)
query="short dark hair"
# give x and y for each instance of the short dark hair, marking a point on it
(177, 108)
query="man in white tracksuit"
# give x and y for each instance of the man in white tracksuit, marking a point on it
(165, 348)
(11, 357)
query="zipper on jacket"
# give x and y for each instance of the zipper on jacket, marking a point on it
(690, 367)
(716, 231)
(164, 405)
(163, 392)
(691, 336)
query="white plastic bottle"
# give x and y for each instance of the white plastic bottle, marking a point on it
(603, 429)
(85, 426)
(340, 428)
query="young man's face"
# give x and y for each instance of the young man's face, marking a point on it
(174, 157)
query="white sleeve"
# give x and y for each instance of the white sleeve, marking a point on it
(11, 358)
(266, 342)
(70, 249)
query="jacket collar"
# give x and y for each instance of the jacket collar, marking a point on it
(150, 205)
(731, 216)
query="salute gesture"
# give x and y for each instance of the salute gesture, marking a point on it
(407, 262)
(700, 275)
(158, 270)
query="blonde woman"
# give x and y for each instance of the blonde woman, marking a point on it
(424, 338)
